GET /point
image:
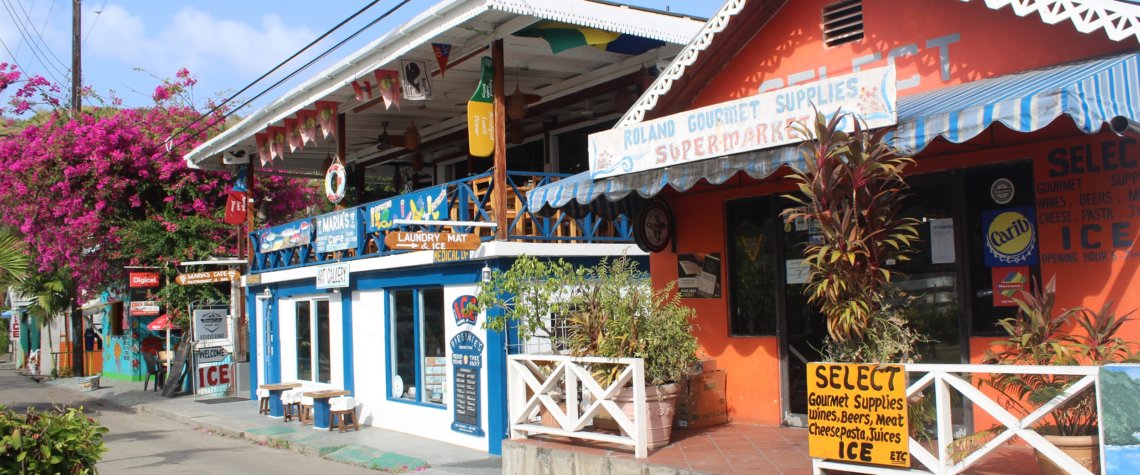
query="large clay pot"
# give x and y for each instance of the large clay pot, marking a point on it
(1085, 449)
(660, 404)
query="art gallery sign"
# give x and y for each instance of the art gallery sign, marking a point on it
(742, 125)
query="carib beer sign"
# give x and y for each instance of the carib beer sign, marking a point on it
(1011, 237)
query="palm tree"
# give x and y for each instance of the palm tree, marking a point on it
(51, 293)
(13, 266)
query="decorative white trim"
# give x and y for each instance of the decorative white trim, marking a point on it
(1119, 20)
(676, 69)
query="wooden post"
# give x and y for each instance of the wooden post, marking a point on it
(76, 61)
(249, 189)
(499, 191)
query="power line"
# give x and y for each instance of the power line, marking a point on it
(33, 45)
(39, 34)
(98, 15)
(279, 65)
(5, 45)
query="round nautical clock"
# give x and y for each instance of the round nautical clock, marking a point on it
(653, 227)
(335, 180)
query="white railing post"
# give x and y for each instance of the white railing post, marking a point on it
(944, 423)
(516, 395)
(571, 399)
(639, 409)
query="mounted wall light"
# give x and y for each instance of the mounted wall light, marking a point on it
(268, 293)
(486, 273)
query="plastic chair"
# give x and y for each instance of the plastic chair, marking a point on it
(153, 369)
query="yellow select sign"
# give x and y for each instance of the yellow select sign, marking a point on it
(858, 413)
(401, 240)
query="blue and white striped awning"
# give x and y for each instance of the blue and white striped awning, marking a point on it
(1090, 92)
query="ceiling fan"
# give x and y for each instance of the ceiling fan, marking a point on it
(384, 140)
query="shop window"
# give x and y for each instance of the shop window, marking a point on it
(843, 22)
(752, 271)
(313, 362)
(417, 345)
(115, 320)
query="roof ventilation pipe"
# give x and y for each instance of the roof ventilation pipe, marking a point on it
(1123, 126)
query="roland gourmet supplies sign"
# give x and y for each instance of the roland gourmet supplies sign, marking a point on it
(332, 276)
(210, 325)
(751, 123)
(337, 231)
(858, 413)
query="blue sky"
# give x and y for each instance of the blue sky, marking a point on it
(226, 44)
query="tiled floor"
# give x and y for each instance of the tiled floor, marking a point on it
(757, 449)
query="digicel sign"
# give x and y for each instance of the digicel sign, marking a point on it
(144, 279)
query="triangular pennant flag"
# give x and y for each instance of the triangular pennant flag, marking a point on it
(442, 51)
(278, 139)
(293, 135)
(389, 83)
(307, 125)
(262, 147)
(357, 91)
(326, 117)
(368, 89)
(481, 114)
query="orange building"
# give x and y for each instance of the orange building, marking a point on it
(1006, 110)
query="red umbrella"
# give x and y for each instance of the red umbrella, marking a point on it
(162, 323)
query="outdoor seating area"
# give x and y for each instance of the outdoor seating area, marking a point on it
(321, 405)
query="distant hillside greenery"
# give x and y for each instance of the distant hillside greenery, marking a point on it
(1120, 398)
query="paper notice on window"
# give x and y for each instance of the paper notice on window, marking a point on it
(942, 241)
(797, 271)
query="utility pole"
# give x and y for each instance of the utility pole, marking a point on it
(76, 63)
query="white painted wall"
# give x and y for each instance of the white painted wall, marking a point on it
(370, 345)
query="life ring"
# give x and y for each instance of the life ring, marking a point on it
(335, 174)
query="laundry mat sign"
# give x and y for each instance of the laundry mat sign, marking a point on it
(858, 413)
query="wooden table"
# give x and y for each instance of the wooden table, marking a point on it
(276, 410)
(321, 405)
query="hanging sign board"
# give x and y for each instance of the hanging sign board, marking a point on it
(481, 114)
(337, 231)
(285, 236)
(858, 413)
(215, 375)
(143, 308)
(211, 354)
(210, 325)
(400, 240)
(15, 327)
(140, 280)
(332, 276)
(751, 123)
(211, 277)
(425, 204)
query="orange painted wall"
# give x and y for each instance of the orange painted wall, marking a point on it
(790, 49)
(989, 43)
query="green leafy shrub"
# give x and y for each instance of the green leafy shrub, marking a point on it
(63, 441)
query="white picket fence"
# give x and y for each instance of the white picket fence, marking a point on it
(945, 377)
(548, 378)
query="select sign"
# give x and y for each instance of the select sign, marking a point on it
(212, 354)
(401, 240)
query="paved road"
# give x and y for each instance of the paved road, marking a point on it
(146, 444)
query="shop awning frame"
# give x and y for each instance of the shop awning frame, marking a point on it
(1092, 93)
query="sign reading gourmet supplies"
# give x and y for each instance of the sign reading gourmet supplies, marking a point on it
(426, 204)
(858, 413)
(751, 123)
(337, 231)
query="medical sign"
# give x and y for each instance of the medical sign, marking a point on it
(858, 413)
(210, 325)
(1011, 237)
(752, 123)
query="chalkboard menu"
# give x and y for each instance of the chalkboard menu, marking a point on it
(174, 379)
(466, 361)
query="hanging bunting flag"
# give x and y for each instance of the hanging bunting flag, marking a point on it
(414, 79)
(442, 51)
(263, 152)
(481, 113)
(308, 125)
(278, 140)
(326, 117)
(292, 135)
(389, 83)
(562, 36)
(362, 90)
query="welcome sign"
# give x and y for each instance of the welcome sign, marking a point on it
(751, 123)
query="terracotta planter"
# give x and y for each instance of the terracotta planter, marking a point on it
(660, 404)
(1085, 449)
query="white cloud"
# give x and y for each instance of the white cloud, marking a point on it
(195, 39)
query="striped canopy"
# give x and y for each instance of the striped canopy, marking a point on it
(1091, 92)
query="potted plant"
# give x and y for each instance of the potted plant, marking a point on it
(609, 310)
(1035, 336)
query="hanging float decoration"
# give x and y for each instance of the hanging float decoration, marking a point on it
(481, 114)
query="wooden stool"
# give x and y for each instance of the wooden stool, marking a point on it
(340, 410)
(263, 401)
(291, 400)
(306, 410)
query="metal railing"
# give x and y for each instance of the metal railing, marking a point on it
(467, 199)
(945, 377)
(536, 383)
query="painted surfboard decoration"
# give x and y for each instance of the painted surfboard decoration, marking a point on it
(481, 114)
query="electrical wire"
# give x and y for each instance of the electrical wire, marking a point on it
(5, 45)
(98, 14)
(39, 33)
(233, 96)
(33, 46)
